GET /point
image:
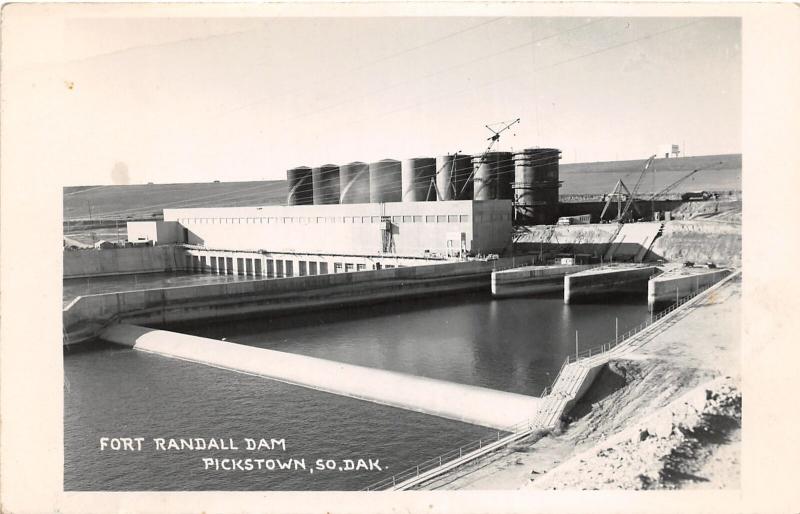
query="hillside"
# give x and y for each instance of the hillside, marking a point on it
(149, 199)
(723, 173)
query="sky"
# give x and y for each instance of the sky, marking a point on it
(135, 100)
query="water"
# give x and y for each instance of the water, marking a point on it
(510, 344)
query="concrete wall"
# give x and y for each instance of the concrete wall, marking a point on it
(666, 288)
(160, 232)
(120, 261)
(469, 404)
(275, 296)
(350, 229)
(532, 279)
(606, 281)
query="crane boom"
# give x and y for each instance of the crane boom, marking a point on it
(674, 184)
(632, 196)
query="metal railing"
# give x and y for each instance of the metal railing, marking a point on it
(462, 453)
(596, 350)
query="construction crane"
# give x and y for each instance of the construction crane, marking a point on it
(677, 183)
(495, 137)
(630, 195)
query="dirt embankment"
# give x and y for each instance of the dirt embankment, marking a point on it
(699, 241)
(666, 450)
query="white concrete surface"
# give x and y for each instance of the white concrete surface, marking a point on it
(470, 404)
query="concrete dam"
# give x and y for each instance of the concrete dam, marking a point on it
(470, 404)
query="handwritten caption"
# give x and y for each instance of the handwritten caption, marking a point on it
(245, 444)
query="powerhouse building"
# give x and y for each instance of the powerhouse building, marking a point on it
(403, 229)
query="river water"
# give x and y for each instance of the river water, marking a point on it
(514, 345)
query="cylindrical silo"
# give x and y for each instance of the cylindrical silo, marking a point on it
(418, 177)
(494, 172)
(326, 184)
(301, 191)
(536, 186)
(354, 182)
(452, 174)
(384, 181)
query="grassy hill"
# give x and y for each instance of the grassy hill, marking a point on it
(145, 200)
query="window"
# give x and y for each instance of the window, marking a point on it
(323, 268)
(347, 219)
(279, 268)
(348, 267)
(270, 268)
(408, 219)
(430, 219)
(320, 219)
(464, 218)
(312, 268)
(365, 219)
(441, 219)
(452, 218)
(287, 220)
(289, 268)
(331, 219)
(337, 267)
(361, 267)
(376, 219)
(396, 219)
(302, 268)
(357, 219)
(417, 219)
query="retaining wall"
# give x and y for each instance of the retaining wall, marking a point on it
(665, 288)
(275, 296)
(532, 279)
(606, 281)
(121, 261)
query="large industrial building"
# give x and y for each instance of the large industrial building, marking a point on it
(362, 216)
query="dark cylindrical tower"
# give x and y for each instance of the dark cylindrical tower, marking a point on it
(301, 191)
(354, 182)
(453, 172)
(536, 186)
(418, 175)
(325, 180)
(493, 176)
(384, 181)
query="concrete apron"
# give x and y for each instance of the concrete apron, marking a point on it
(469, 404)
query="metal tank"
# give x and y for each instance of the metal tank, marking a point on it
(536, 184)
(354, 182)
(325, 180)
(384, 181)
(301, 190)
(452, 174)
(494, 172)
(418, 177)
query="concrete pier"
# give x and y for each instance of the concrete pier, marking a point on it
(469, 404)
(607, 280)
(532, 279)
(669, 287)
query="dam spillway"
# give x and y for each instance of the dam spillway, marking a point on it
(460, 402)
